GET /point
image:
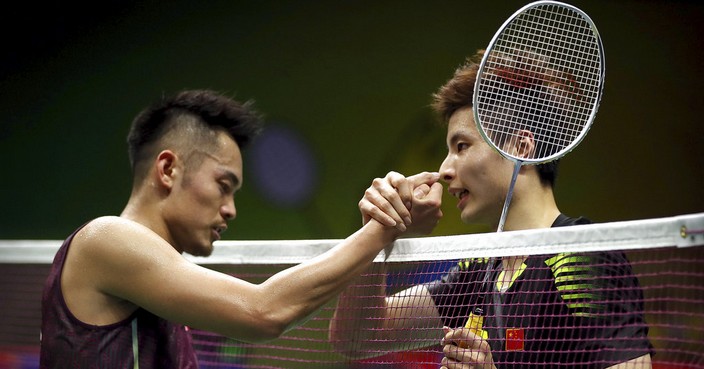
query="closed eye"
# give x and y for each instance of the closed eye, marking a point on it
(226, 188)
(229, 182)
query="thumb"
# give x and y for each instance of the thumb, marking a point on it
(421, 191)
(432, 193)
(424, 178)
(435, 191)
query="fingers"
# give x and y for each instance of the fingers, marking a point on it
(462, 337)
(456, 358)
(388, 201)
(425, 209)
(435, 194)
(427, 178)
(448, 363)
(403, 188)
(371, 211)
(465, 349)
(421, 191)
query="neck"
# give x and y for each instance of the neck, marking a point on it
(532, 207)
(146, 211)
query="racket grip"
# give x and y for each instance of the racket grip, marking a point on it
(475, 324)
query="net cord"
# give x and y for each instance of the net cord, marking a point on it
(676, 231)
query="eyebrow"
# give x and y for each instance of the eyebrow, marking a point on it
(233, 178)
(236, 182)
(454, 138)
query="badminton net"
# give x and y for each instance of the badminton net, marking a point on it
(664, 307)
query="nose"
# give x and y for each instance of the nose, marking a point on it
(447, 171)
(228, 210)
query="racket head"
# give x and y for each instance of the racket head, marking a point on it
(541, 77)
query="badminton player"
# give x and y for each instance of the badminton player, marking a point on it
(121, 295)
(577, 311)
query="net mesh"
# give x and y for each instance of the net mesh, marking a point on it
(643, 275)
(543, 73)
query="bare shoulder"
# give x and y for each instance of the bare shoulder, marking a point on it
(112, 236)
(109, 227)
(107, 265)
(110, 250)
(95, 264)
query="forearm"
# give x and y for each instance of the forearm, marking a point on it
(642, 362)
(367, 323)
(297, 292)
(360, 314)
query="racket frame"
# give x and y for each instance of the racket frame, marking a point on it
(519, 161)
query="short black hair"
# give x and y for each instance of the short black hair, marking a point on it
(209, 108)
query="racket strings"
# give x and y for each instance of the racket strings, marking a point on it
(542, 75)
(507, 117)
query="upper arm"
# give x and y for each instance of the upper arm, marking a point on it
(413, 310)
(128, 262)
(642, 362)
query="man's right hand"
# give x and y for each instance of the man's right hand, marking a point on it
(411, 204)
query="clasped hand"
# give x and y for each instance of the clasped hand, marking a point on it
(411, 204)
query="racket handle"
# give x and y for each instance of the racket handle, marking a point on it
(475, 324)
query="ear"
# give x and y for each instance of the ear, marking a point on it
(166, 168)
(525, 144)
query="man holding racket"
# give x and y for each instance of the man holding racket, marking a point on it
(120, 294)
(516, 313)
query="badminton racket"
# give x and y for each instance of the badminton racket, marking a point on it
(541, 79)
(537, 92)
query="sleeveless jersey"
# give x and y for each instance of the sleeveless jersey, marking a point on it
(143, 340)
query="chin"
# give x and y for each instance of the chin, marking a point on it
(468, 217)
(473, 218)
(207, 251)
(202, 250)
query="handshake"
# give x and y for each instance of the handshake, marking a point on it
(410, 204)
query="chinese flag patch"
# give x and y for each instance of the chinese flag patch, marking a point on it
(514, 339)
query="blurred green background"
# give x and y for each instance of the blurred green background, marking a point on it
(345, 87)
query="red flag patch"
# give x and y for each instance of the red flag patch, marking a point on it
(514, 339)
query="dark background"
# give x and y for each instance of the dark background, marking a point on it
(345, 86)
